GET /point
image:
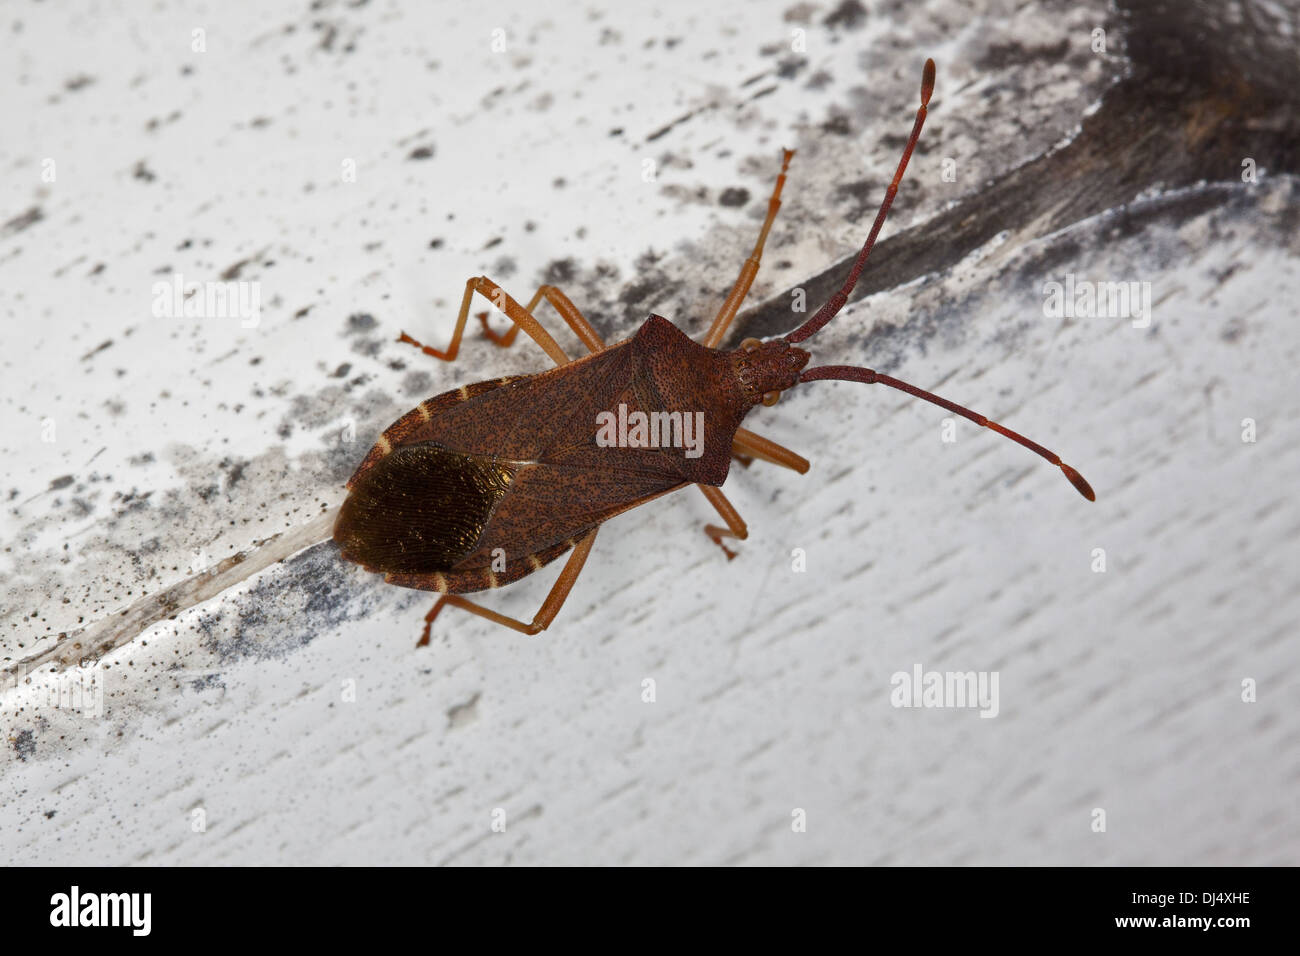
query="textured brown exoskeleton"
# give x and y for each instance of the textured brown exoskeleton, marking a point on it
(483, 485)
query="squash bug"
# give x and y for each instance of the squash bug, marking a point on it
(483, 485)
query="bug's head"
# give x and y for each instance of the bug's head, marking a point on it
(766, 369)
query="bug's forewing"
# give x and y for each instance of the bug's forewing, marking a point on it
(545, 426)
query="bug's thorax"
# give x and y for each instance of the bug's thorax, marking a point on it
(765, 369)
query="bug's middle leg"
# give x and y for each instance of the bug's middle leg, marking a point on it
(520, 316)
(735, 524)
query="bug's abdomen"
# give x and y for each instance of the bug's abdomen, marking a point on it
(419, 509)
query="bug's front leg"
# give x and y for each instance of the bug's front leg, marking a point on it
(752, 445)
(745, 447)
(735, 524)
(722, 321)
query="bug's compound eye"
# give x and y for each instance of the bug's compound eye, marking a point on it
(771, 398)
(750, 344)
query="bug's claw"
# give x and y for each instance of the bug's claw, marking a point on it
(715, 535)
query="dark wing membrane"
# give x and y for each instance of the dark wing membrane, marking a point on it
(419, 509)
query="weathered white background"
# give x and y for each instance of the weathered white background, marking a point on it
(183, 441)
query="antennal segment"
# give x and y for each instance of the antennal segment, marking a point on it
(851, 373)
(832, 307)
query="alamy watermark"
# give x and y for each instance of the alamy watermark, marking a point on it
(1081, 298)
(208, 300)
(129, 910)
(78, 689)
(940, 689)
(651, 430)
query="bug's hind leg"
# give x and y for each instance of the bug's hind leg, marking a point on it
(550, 607)
(735, 524)
(749, 270)
(563, 305)
(520, 316)
(752, 445)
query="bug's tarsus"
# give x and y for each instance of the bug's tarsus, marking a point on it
(736, 528)
(446, 356)
(502, 339)
(716, 533)
(837, 301)
(851, 373)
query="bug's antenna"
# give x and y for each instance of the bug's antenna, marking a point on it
(850, 373)
(836, 302)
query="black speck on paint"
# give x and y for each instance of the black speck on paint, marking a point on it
(791, 67)
(734, 197)
(234, 472)
(360, 322)
(837, 125)
(849, 14)
(560, 271)
(97, 349)
(22, 221)
(24, 744)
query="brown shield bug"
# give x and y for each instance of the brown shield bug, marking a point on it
(483, 485)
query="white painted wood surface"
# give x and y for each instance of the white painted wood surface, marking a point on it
(292, 710)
